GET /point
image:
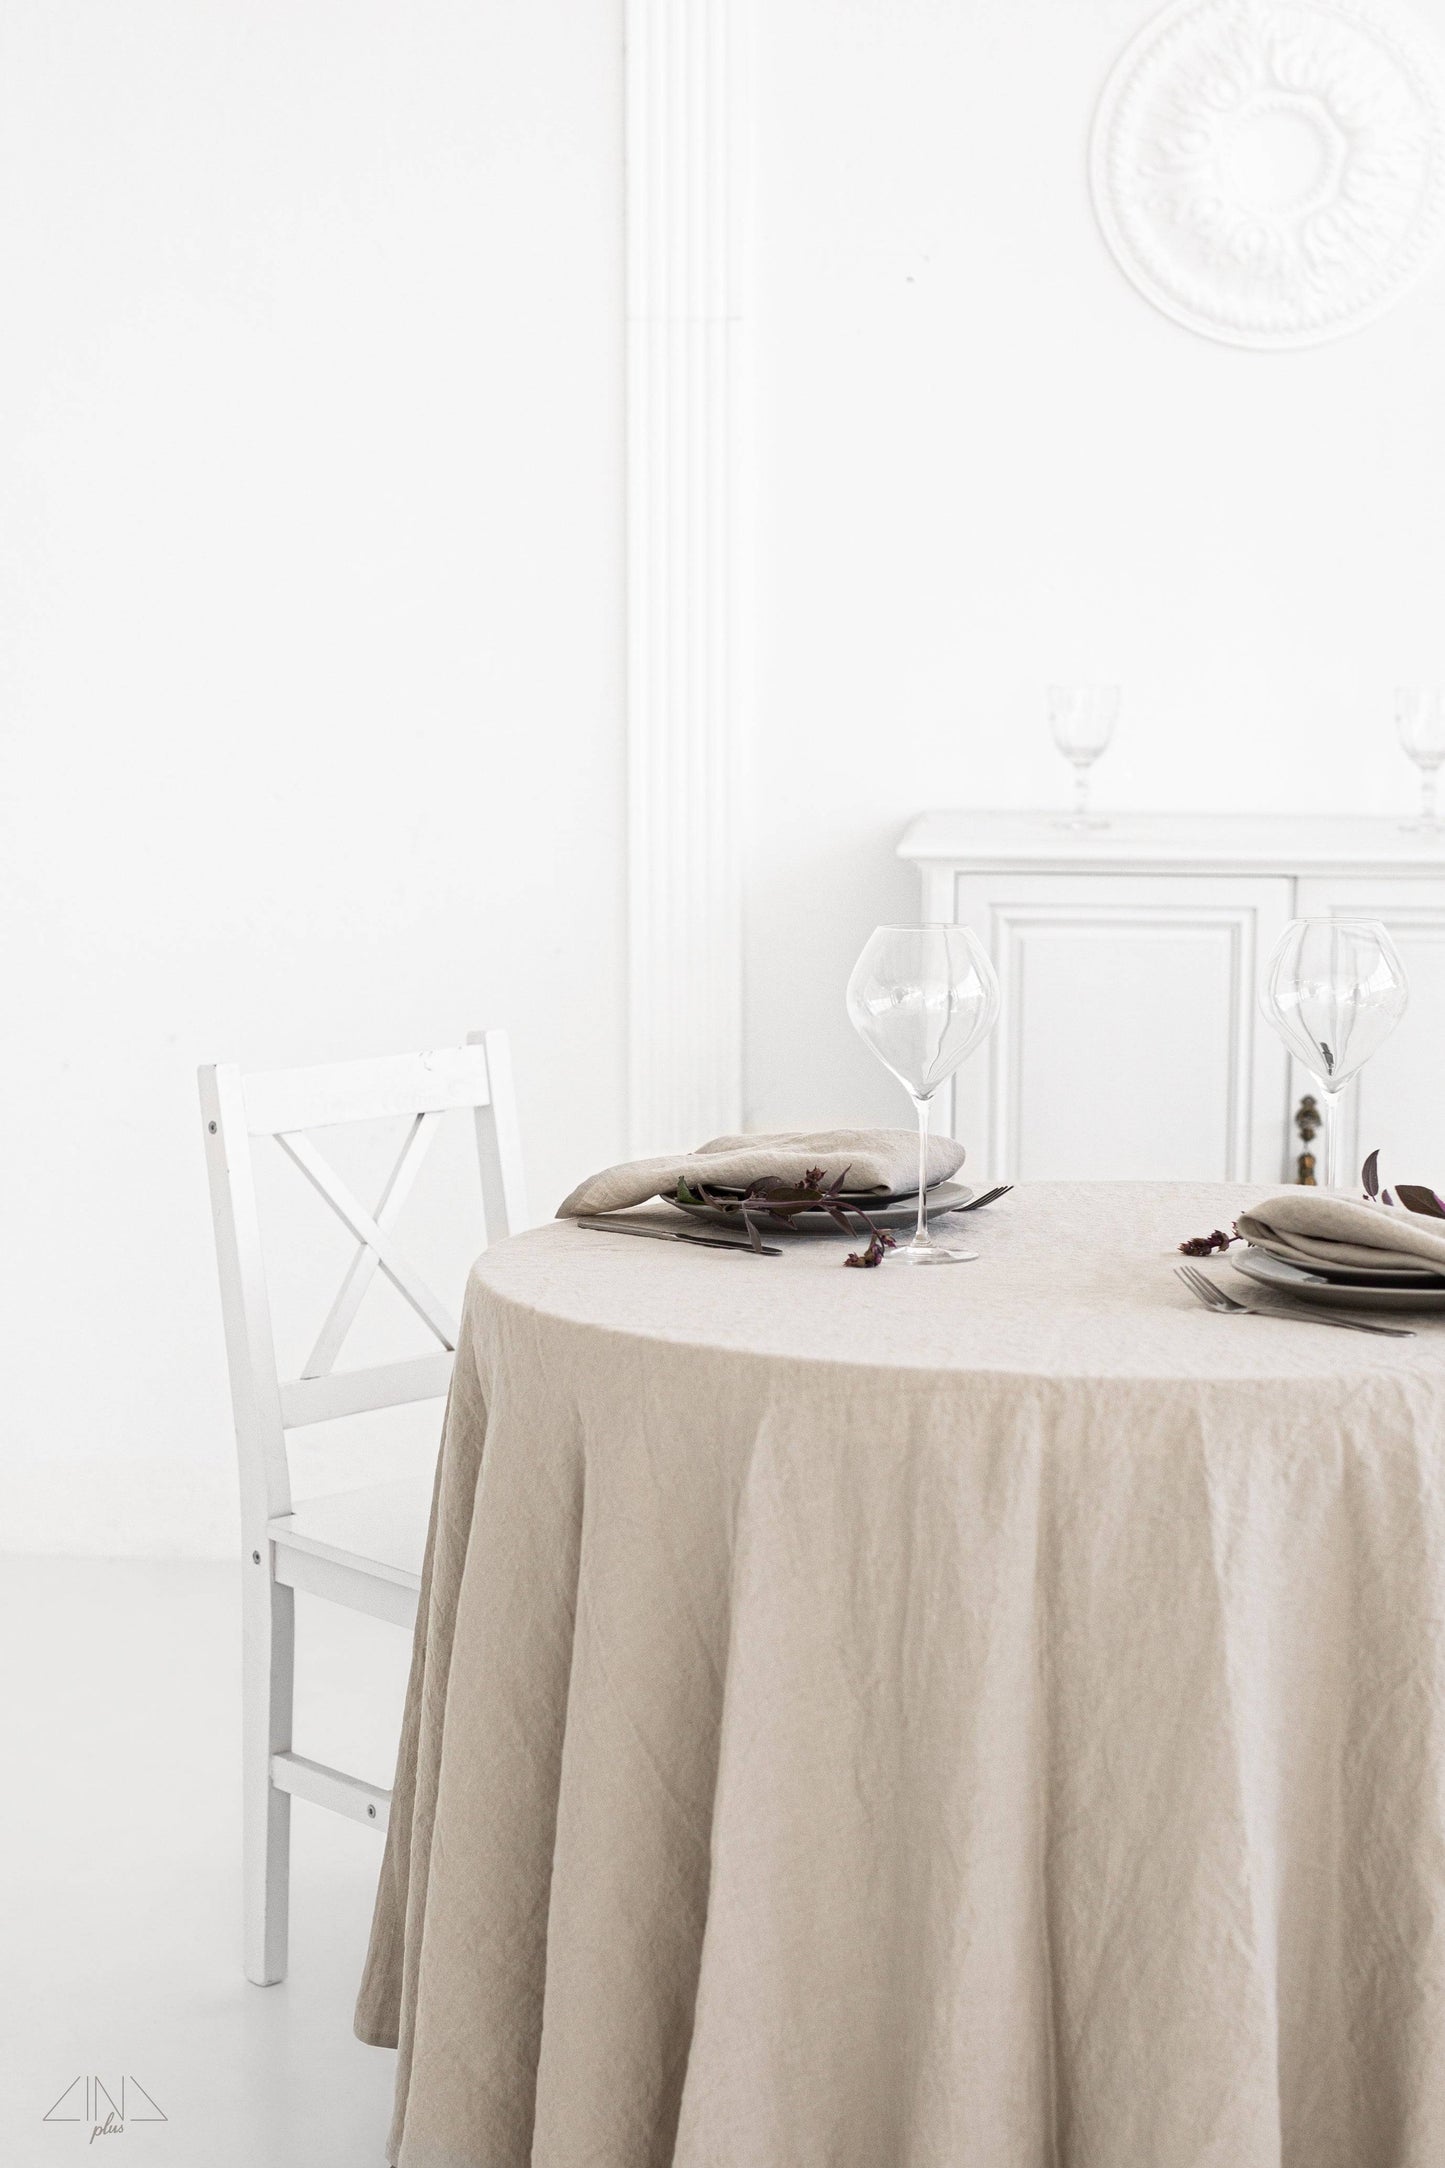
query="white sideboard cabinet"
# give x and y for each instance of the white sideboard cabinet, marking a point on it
(1130, 1042)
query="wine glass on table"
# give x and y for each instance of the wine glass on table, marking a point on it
(1334, 991)
(1420, 720)
(923, 997)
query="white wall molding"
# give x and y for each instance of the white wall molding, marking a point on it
(688, 219)
(1272, 172)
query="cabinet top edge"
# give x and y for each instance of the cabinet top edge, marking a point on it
(1283, 843)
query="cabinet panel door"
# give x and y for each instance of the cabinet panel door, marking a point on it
(1398, 1101)
(1129, 1044)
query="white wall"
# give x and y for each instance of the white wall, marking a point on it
(986, 463)
(310, 645)
(311, 602)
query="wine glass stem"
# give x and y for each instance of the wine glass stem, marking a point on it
(1081, 789)
(1330, 1115)
(920, 1234)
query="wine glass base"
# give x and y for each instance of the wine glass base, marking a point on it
(930, 1253)
(1083, 820)
(1423, 827)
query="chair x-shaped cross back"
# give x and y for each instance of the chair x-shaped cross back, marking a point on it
(377, 1251)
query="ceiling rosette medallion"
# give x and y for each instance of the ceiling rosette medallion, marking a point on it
(1272, 172)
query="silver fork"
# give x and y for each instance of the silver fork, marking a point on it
(1214, 1297)
(990, 1196)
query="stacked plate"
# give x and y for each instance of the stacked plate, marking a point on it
(891, 1208)
(1357, 1287)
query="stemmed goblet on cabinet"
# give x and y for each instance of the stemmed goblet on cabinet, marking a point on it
(1082, 719)
(1420, 721)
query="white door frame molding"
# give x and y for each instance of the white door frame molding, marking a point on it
(688, 223)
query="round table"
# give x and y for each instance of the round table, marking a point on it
(986, 1718)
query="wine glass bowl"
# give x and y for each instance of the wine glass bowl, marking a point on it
(1082, 719)
(1420, 721)
(1334, 990)
(923, 998)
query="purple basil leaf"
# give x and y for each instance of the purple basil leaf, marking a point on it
(1370, 1175)
(1415, 1198)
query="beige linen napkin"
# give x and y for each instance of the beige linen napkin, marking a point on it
(872, 1159)
(1315, 1227)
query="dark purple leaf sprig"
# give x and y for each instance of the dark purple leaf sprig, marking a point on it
(879, 1246)
(1410, 1196)
(1414, 1196)
(772, 1200)
(1206, 1245)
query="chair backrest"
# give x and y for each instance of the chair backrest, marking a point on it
(285, 1104)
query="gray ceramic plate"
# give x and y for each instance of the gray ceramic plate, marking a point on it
(1288, 1279)
(1369, 1275)
(891, 1211)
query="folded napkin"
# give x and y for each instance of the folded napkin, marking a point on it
(1314, 1227)
(873, 1159)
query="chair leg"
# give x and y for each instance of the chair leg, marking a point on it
(268, 1665)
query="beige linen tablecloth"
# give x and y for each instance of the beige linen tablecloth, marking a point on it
(984, 1718)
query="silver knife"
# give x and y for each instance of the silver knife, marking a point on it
(677, 1234)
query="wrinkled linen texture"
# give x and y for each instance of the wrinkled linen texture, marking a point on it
(991, 1718)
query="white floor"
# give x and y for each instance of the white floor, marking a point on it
(119, 1885)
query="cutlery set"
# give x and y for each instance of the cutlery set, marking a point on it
(1214, 1297)
(622, 1224)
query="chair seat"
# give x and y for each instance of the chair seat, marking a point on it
(380, 1530)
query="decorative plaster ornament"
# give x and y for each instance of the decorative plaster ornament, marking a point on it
(1272, 172)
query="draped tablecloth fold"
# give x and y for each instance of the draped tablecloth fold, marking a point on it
(895, 1720)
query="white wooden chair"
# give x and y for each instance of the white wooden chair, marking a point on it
(364, 1547)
